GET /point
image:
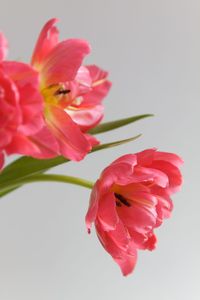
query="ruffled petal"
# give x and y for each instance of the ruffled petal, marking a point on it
(146, 241)
(84, 80)
(172, 172)
(100, 86)
(145, 158)
(172, 158)
(158, 177)
(86, 117)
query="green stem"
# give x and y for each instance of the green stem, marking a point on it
(59, 178)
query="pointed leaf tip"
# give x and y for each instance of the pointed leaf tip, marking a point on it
(107, 126)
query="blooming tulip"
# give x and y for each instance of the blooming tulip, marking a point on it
(72, 93)
(130, 199)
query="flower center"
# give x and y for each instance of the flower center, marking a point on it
(56, 94)
(121, 200)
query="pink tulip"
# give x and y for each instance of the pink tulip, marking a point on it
(21, 107)
(72, 93)
(130, 199)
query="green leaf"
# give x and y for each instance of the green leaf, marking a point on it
(8, 190)
(118, 123)
(25, 167)
(116, 143)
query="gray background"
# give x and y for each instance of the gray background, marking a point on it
(152, 49)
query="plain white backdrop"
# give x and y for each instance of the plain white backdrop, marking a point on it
(152, 50)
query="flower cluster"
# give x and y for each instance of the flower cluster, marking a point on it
(47, 109)
(47, 106)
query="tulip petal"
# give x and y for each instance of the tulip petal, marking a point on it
(100, 86)
(43, 145)
(107, 214)
(92, 140)
(173, 173)
(47, 40)
(154, 175)
(5, 137)
(63, 61)
(146, 157)
(3, 47)
(85, 116)
(73, 144)
(119, 246)
(169, 157)
(93, 206)
(22, 74)
(146, 241)
(140, 217)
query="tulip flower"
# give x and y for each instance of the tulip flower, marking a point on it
(72, 93)
(130, 199)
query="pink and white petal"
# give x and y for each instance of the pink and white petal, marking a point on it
(72, 142)
(3, 47)
(86, 117)
(47, 40)
(63, 61)
(84, 80)
(107, 214)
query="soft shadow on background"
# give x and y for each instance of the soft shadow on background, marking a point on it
(152, 50)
